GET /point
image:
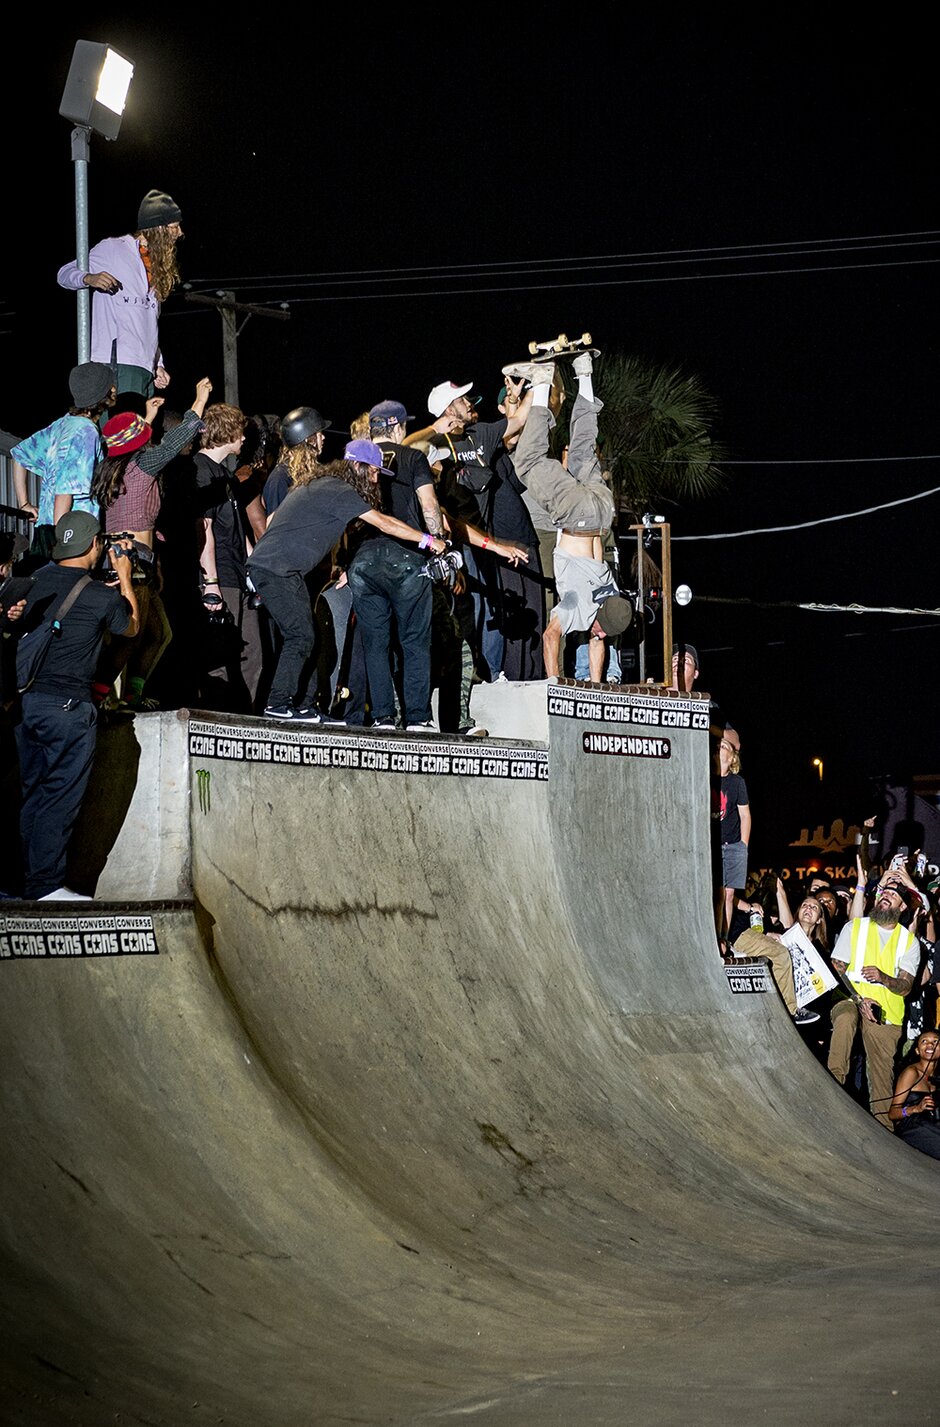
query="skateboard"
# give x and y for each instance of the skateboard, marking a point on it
(562, 346)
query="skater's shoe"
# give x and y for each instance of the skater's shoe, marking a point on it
(535, 373)
(583, 364)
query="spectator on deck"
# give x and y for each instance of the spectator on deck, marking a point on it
(303, 531)
(130, 277)
(64, 456)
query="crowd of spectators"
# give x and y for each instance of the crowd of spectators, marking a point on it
(871, 1015)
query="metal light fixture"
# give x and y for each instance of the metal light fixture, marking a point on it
(96, 89)
(818, 763)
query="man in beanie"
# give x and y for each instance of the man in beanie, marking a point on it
(130, 277)
(64, 456)
(578, 500)
(56, 736)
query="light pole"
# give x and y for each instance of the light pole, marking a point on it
(93, 99)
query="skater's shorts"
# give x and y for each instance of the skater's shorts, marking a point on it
(734, 865)
(583, 585)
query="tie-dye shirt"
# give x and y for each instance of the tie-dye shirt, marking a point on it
(64, 456)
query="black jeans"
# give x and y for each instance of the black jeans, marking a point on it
(287, 600)
(386, 582)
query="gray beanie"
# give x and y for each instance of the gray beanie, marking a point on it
(90, 383)
(157, 210)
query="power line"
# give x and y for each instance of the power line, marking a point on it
(822, 461)
(607, 282)
(807, 524)
(816, 607)
(810, 244)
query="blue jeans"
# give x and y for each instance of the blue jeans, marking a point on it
(56, 748)
(387, 584)
(582, 668)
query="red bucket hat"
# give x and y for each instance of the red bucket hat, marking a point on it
(126, 433)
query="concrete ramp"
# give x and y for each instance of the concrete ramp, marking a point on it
(436, 1104)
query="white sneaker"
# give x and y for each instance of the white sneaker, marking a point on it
(429, 727)
(535, 373)
(65, 894)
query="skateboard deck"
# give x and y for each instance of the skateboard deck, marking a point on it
(562, 346)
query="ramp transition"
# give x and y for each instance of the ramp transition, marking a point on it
(434, 1103)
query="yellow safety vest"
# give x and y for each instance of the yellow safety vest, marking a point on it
(868, 950)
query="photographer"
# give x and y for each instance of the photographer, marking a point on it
(56, 737)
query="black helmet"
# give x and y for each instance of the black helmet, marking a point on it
(300, 423)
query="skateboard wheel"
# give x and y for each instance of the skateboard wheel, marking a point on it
(562, 339)
(534, 349)
(586, 338)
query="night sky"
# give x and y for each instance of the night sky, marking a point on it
(567, 171)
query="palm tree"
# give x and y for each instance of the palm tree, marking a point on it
(654, 434)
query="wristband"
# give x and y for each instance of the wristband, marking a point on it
(210, 582)
(425, 542)
(486, 541)
(904, 1112)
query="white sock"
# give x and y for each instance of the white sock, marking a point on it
(586, 387)
(540, 394)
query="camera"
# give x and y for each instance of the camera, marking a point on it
(141, 556)
(442, 569)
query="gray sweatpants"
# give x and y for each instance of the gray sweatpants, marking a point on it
(577, 498)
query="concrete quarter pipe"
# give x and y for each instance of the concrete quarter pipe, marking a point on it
(407, 1087)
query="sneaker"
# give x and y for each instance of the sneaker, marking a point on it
(385, 725)
(429, 727)
(473, 730)
(292, 715)
(64, 894)
(583, 364)
(535, 373)
(805, 1017)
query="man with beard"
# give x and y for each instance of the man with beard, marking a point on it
(474, 492)
(879, 957)
(130, 277)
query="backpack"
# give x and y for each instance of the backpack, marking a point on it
(33, 647)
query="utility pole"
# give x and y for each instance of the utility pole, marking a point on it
(226, 306)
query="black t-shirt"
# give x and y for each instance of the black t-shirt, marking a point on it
(480, 445)
(733, 791)
(306, 526)
(510, 518)
(276, 488)
(221, 498)
(405, 471)
(69, 666)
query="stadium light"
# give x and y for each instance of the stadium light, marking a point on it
(96, 88)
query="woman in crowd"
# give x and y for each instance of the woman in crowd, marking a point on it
(126, 485)
(913, 1108)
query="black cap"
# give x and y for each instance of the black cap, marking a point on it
(157, 210)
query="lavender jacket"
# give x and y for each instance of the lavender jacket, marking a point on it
(130, 316)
